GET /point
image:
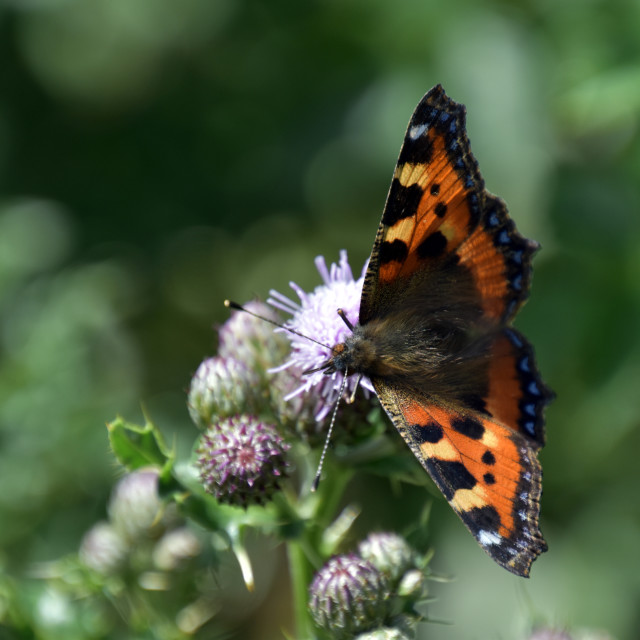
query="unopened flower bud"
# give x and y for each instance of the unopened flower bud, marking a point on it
(388, 552)
(412, 584)
(544, 633)
(102, 548)
(134, 507)
(222, 387)
(348, 596)
(252, 341)
(242, 460)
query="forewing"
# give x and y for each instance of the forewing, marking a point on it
(433, 204)
(439, 217)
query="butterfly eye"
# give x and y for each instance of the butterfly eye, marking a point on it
(338, 349)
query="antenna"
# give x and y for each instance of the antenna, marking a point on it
(238, 307)
(316, 480)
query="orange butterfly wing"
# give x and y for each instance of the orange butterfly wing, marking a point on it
(488, 473)
(438, 210)
(516, 394)
(448, 247)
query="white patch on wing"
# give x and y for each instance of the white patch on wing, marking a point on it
(486, 538)
(416, 131)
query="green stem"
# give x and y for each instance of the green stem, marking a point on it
(331, 492)
(304, 551)
(300, 572)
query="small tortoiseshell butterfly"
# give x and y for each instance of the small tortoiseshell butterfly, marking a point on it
(448, 273)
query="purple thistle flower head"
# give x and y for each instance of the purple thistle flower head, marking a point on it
(315, 315)
(242, 460)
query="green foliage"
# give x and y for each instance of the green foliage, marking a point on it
(135, 446)
(154, 161)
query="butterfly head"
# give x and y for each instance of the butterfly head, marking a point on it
(356, 354)
(339, 361)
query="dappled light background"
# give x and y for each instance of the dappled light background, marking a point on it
(157, 157)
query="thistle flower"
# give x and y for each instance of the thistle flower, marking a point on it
(348, 596)
(242, 460)
(316, 316)
(222, 387)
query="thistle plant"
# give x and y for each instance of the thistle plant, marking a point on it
(259, 425)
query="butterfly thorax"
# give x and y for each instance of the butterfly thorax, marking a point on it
(431, 356)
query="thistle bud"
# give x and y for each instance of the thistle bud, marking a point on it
(389, 553)
(134, 507)
(103, 549)
(242, 460)
(348, 596)
(545, 633)
(221, 387)
(252, 341)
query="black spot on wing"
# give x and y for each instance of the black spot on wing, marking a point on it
(489, 478)
(430, 432)
(393, 251)
(402, 202)
(440, 209)
(488, 458)
(482, 519)
(450, 475)
(433, 245)
(438, 114)
(435, 189)
(468, 427)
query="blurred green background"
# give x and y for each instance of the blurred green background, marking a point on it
(159, 156)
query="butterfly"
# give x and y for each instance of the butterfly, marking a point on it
(447, 274)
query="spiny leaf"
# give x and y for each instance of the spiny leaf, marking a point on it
(138, 446)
